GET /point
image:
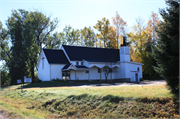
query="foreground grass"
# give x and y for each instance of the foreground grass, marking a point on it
(92, 102)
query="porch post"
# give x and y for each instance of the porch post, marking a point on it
(111, 76)
(88, 76)
(75, 74)
(100, 74)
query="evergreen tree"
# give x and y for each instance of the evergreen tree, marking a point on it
(17, 63)
(166, 52)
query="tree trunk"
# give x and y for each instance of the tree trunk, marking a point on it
(32, 71)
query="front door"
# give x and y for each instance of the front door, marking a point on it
(66, 75)
(136, 77)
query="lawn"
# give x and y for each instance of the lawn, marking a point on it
(90, 102)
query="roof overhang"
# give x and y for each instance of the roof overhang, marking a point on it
(131, 62)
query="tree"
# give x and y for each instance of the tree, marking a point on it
(54, 41)
(112, 38)
(5, 78)
(75, 36)
(119, 23)
(42, 27)
(138, 37)
(5, 50)
(87, 36)
(17, 63)
(151, 40)
(29, 32)
(166, 52)
(150, 28)
(103, 27)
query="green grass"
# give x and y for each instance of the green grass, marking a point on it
(90, 102)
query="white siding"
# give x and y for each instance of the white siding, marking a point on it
(120, 71)
(55, 70)
(128, 70)
(43, 73)
(94, 75)
(124, 53)
(133, 68)
(86, 63)
(82, 75)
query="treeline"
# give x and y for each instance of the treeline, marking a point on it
(29, 31)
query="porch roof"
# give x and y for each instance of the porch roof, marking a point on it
(78, 67)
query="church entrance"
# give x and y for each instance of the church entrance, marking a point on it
(66, 75)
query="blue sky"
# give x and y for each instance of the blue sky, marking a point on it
(81, 13)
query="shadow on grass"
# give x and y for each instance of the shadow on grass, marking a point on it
(61, 83)
(110, 98)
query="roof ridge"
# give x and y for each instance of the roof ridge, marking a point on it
(52, 49)
(89, 47)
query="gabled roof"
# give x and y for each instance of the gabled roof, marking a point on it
(78, 53)
(66, 67)
(55, 56)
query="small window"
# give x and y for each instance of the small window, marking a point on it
(77, 63)
(99, 70)
(138, 69)
(87, 71)
(81, 63)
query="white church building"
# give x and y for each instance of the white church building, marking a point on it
(87, 63)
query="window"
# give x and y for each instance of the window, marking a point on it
(77, 63)
(81, 63)
(138, 69)
(99, 70)
(87, 71)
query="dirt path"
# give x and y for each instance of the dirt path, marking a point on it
(3, 116)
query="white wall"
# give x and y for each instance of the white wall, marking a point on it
(82, 75)
(43, 73)
(124, 53)
(55, 70)
(131, 69)
(120, 71)
(86, 63)
(74, 62)
(92, 75)
(128, 70)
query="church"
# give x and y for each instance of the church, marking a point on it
(88, 63)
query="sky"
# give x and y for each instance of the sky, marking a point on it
(81, 13)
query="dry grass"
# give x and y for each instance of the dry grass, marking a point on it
(122, 91)
(86, 102)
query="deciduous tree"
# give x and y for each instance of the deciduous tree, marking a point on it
(103, 28)
(87, 36)
(119, 24)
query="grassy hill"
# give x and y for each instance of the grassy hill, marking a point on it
(89, 102)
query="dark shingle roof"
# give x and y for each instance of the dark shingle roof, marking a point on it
(78, 53)
(66, 66)
(77, 66)
(55, 56)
